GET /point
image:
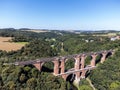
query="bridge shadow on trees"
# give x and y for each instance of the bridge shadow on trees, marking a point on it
(109, 54)
(87, 73)
(70, 78)
(48, 67)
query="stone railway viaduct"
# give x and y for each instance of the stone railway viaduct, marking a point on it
(79, 69)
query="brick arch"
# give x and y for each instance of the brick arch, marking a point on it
(38, 65)
(104, 56)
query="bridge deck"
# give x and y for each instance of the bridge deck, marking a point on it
(56, 58)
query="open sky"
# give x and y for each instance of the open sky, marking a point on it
(60, 14)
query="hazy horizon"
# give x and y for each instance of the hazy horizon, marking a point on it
(58, 29)
(60, 14)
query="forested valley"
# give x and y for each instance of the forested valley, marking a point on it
(57, 43)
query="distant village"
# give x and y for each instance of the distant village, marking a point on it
(115, 38)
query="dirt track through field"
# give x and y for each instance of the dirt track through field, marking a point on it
(8, 46)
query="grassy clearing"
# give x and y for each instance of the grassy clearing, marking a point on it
(9, 46)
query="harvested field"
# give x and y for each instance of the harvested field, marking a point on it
(8, 46)
(108, 34)
(37, 31)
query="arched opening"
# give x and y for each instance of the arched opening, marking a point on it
(98, 58)
(109, 54)
(70, 78)
(48, 67)
(87, 73)
(88, 60)
(34, 66)
(69, 64)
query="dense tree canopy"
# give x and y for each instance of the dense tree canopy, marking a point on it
(56, 43)
(106, 76)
